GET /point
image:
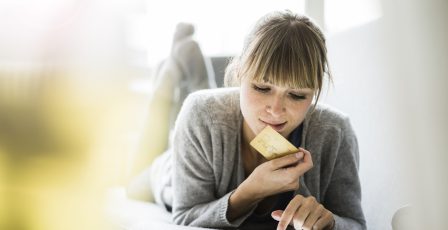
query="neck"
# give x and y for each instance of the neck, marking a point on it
(248, 136)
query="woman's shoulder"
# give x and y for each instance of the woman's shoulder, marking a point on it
(327, 124)
(216, 104)
(216, 95)
(326, 115)
(213, 98)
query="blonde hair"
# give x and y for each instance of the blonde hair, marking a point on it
(283, 49)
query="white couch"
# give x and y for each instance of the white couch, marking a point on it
(129, 214)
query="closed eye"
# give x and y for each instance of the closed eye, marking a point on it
(262, 89)
(297, 97)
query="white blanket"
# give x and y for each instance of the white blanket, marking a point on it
(138, 215)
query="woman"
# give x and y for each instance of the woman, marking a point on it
(220, 181)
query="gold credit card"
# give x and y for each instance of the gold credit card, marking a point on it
(272, 144)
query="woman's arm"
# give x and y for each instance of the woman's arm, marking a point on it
(198, 196)
(240, 203)
(343, 195)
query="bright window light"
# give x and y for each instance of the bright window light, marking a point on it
(220, 26)
(341, 15)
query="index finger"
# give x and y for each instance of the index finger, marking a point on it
(289, 212)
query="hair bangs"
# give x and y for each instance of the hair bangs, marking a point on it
(284, 61)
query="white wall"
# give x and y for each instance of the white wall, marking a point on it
(390, 77)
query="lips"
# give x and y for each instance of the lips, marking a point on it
(277, 126)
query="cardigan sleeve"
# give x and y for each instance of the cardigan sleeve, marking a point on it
(195, 201)
(343, 196)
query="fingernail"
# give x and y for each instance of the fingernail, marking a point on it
(299, 155)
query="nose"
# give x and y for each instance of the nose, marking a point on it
(276, 106)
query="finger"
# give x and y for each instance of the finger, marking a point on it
(305, 165)
(306, 155)
(285, 161)
(303, 213)
(277, 214)
(324, 221)
(289, 212)
(313, 217)
(299, 218)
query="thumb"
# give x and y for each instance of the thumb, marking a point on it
(286, 160)
(277, 214)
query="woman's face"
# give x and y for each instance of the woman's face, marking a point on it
(265, 104)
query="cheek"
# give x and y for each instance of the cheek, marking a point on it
(298, 112)
(249, 102)
(253, 101)
(251, 109)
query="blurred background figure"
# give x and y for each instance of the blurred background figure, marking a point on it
(182, 73)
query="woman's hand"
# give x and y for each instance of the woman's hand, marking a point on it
(272, 177)
(304, 213)
(278, 175)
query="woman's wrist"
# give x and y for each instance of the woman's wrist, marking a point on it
(247, 192)
(243, 195)
(240, 202)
